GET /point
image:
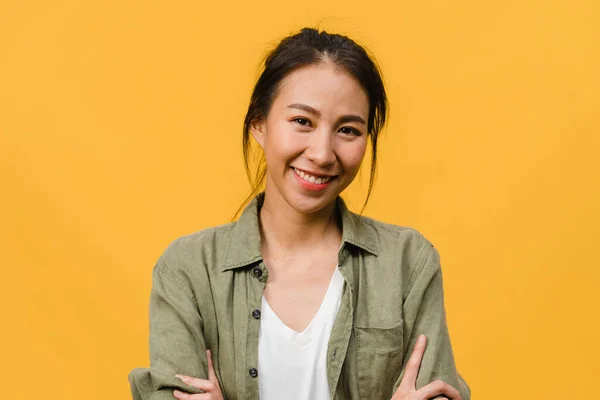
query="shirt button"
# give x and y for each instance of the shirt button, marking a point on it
(257, 272)
(256, 314)
(253, 372)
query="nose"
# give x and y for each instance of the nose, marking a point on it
(320, 148)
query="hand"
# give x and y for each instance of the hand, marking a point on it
(211, 387)
(407, 389)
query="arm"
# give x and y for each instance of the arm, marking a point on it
(424, 313)
(176, 339)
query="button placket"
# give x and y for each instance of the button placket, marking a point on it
(257, 279)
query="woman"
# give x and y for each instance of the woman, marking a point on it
(301, 298)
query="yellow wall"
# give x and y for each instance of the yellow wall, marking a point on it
(120, 130)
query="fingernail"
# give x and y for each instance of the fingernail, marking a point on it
(421, 340)
(177, 392)
(184, 379)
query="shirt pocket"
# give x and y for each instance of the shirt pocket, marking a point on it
(379, 353)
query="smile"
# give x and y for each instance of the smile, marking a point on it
(318, 180)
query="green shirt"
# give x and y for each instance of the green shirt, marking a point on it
(206, 286)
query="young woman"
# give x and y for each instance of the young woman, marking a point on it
(301, 298)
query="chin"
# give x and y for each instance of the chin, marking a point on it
(309, 205)
(304, 201)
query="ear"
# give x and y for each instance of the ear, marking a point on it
(258, 131)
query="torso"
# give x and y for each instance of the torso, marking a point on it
(372, 331)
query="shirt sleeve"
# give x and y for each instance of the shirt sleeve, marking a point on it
(424, 313)
(176, 339)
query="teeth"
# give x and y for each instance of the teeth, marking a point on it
(311, 178)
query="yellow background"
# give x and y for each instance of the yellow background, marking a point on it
(120, 128)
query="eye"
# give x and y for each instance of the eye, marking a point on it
(302, 121)
(350, 131)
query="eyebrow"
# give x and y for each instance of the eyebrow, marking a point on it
(343, 119)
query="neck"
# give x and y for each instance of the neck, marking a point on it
(285, 229)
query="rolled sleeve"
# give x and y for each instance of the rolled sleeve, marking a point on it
(424, 313)
(176, 339)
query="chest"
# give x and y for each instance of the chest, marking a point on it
(371, 298)
(296, 287)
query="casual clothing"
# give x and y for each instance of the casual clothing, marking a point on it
(293, 365)
(208, 285)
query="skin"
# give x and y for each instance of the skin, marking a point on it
(317, 123)
(300, 238)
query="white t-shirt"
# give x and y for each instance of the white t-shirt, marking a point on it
(293, 365)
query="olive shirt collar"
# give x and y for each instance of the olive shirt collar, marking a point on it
(244, 244)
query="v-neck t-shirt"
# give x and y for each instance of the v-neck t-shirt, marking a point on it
(293, 364)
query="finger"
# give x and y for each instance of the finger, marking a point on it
(437, 388)
(202, 384)
(186, 396)
(414, 363)
(211, 371)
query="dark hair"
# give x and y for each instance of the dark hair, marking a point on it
(309, 46)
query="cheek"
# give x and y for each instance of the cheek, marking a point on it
(283, 138)
(354, 155)
(281, 142)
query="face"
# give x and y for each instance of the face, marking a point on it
(314, 137)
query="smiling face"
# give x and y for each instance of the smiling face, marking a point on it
(314, 137)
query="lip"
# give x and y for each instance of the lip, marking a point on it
(313, 173)
(312, 186)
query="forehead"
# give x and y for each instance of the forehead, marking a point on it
(323, 86)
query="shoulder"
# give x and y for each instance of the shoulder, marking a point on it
(398, 239)
(403, 249)
(194, 253)
(195, 244)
